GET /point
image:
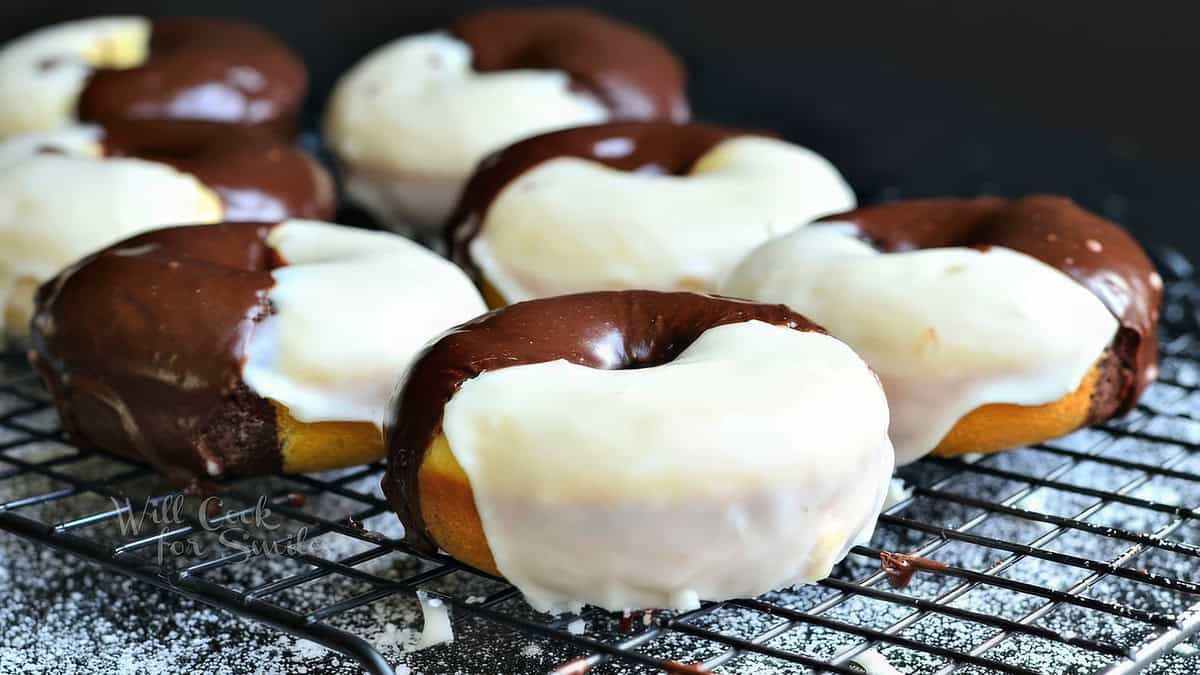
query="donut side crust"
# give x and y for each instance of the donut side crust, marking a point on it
(1000, 426)
(321, 446)
(448, 504)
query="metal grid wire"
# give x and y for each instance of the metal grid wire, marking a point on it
(1077, 556)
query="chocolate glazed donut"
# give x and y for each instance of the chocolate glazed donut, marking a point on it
(1093, 251)
(259, 179)
(609, 330)
(176, 401)
(629, 71)
(650, 147)
(202, 78)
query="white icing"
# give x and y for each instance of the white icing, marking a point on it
(437, 628)
(898, 491)
(43, 73)
(414, 112)
(750, 462)
(572, 225)
(352, 307)
(874, 663)
(56, 208)
(947, 330)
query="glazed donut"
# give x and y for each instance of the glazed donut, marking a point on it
(992, 323)
(412, 119)
(171, 81)
(72, 191)
(617, 448)
(239, 349)
(538, 218)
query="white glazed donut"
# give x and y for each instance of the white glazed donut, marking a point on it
(412, 119)
(242, 348)
(991, 323)
(637, 205)
(43, 73)
(71, 191)
(637, 449)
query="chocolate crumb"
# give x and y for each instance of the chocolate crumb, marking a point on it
(900, 567)
(580, 666)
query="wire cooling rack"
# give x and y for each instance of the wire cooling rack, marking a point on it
(1077, 556)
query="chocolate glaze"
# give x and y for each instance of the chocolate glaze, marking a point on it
(609, 330)
(1097, 253)
(258, 179)
(203, 78)
(632, 73)
(900, 567)
(651, 147)
(142, 346)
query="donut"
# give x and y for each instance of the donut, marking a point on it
(69, 192)
(993, 323)
(244, 348)
(638, 449)
(410, 121)
(175, 81)
(634, 205)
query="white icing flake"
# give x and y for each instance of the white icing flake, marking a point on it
(437, 628)
(898, 491)
(874, 663)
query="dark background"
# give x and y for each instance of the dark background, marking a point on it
(1096, 100)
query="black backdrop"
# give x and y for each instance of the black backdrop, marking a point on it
(1097, 100)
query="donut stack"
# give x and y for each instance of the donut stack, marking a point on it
(701, 361)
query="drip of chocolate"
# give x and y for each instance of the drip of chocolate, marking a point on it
(580, 666)
(258, 179)
(584, 665)
(142, 346)
(609, 330)
(1097, 253)
(651, 147)
(900, 567)
(632, 73)
(202, 78)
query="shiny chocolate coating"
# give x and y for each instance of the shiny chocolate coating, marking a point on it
(258, 179)
(630, 72)
(608, 330)
(142, 346)
(203, 78)
(1095, 252)
(640, 147)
